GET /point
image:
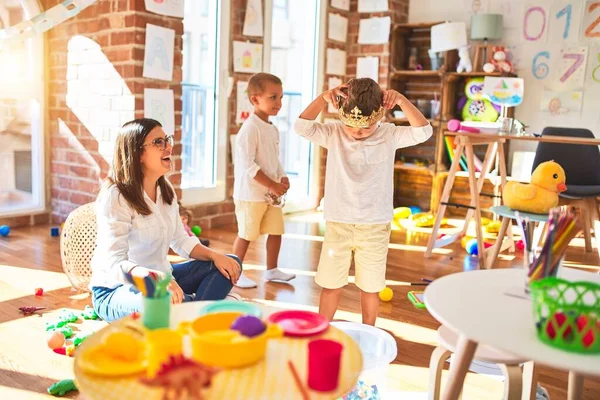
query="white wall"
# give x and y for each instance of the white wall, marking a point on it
(529, 112)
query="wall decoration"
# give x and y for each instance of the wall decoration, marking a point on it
(247, 57)
(374, 30)
(172, 8)
(573, 63)
(336, 62)
(561, 103)
(591, 20)
(338, 28)
(253, 21)
(341, 4)
(158, 56)
(159, 105)
(243, 105)
(369, 6)
(368, 67)
(535, 22)
(539, 65)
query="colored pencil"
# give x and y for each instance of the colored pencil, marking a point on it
(299, 384)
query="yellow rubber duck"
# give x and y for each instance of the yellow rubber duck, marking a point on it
(541, 195)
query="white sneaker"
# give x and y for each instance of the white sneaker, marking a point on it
(233, 296)
(278, 275)
(245, 283)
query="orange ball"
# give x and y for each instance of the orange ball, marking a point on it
(55, 340)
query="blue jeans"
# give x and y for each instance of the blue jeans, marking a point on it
(197, 277)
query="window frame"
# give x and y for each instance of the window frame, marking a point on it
(196, 196)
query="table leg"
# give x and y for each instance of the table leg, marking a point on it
(475, 202)
(463, 356)
(575, 386)
(491, 259)
(529, 381)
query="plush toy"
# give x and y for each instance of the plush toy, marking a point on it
(541, 195)
(500, 61)
(476, 106)
(465, 61)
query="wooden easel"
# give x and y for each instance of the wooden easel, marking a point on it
(495, 150)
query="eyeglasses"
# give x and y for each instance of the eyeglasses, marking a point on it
(161, 143)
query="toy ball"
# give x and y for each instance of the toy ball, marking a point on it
(464, 241)
(471, 247)
(55, 340)
(196, 230)
(402, 212)
(493, 227)
(415, 209)
(386, 294)
(248, 325)
(4, 230)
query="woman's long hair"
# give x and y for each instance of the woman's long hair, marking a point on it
(126, 171)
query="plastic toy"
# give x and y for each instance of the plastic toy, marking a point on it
(415, 209)
(324, 359)
(79, 340)
(402, 212)
(4, 230)
(465, 63)
(61, 388)
(472, 249)
(119, 353)
(68, 316)
(196, 230)
(89, 313)
(541, 195)
(39, 291)
(249, 326)
(464, 241)
(416, 298)
(454, 125)
(182, 378)
(475, 106)
(493, 227)
(362, 391)
(55, 340)
(500, 61)
(29, 310)
(386, 294)
(54, 232)
(65, 351)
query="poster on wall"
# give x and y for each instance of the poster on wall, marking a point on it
(595, 64)
(172, 8)
(333, 82)
(368, 6)
(566, 21)
(536, 18)
(159, 105)
(158, 56)
(253, 21)
(590, 24)
(559, 103)
(338, 28)
(571, 68)
(336, 62)
(374, 30)
(510, 10)
(244, 107)
(247, 57)
(341, 4)
(368, 67)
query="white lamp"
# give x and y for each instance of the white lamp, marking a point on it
(445, 37)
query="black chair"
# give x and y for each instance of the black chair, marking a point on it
(582, 169)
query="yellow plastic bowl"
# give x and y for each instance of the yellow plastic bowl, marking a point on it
(214, 351)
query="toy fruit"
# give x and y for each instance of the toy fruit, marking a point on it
(386, 294)
(493, 227)
(196, 230)
(39, 292)
(402, 212)
(248, 325)
(55, 340)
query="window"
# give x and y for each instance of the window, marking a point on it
(22, 187)
(204, 113)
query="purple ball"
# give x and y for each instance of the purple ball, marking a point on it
(248, 325)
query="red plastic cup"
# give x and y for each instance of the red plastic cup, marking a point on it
(324, 364)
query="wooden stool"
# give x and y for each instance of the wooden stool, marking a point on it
(517, 384)
(507, 216)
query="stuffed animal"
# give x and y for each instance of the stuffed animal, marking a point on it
(465, 61)
(476, 106)
(541, 195)
(500, 61)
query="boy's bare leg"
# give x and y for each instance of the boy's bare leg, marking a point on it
(240, 247)
(273, 273)
(328, 304)
(369, 304)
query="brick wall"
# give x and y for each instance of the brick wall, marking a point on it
(95, 85)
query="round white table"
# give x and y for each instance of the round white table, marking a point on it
(479, 306)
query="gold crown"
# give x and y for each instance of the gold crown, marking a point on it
(355, 119)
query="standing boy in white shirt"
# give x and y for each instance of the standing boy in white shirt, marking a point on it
(359, 186)
(258, 173)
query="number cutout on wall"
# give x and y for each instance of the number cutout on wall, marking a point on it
(540, 69)
(591, 20)
(567, 12)
(535, 22)
(596, 70)
(573, 65)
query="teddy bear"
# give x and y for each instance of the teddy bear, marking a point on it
(499, 61)
(465, 61)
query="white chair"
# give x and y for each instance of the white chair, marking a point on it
(517, 384)
(77, 244)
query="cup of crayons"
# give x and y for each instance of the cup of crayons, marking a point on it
(156, 309)
(566, 314)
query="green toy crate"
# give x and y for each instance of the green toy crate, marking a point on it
(567, 314)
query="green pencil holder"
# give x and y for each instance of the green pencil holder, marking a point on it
(157, 312)
(567, 314)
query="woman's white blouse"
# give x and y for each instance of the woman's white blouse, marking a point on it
(127, 239)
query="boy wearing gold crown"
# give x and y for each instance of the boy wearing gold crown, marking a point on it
(359, 186)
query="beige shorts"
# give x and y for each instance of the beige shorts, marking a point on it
(256, 218)
(369, 246)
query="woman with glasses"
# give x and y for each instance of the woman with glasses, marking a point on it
(138, 220)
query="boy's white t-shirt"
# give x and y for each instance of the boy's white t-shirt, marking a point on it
(257, 148)
(359, 178)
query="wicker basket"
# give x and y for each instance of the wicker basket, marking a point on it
(567, 314)
(77, 244)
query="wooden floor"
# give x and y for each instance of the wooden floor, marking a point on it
(30, 258)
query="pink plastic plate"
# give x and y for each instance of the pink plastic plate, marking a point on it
(299, 323)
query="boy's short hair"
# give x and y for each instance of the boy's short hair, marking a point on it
(363, 93)
(256, 84)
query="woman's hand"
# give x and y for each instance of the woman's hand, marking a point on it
(391, 98)
(286, 183)
(331, 96)
(227, 266)
(176, 292)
